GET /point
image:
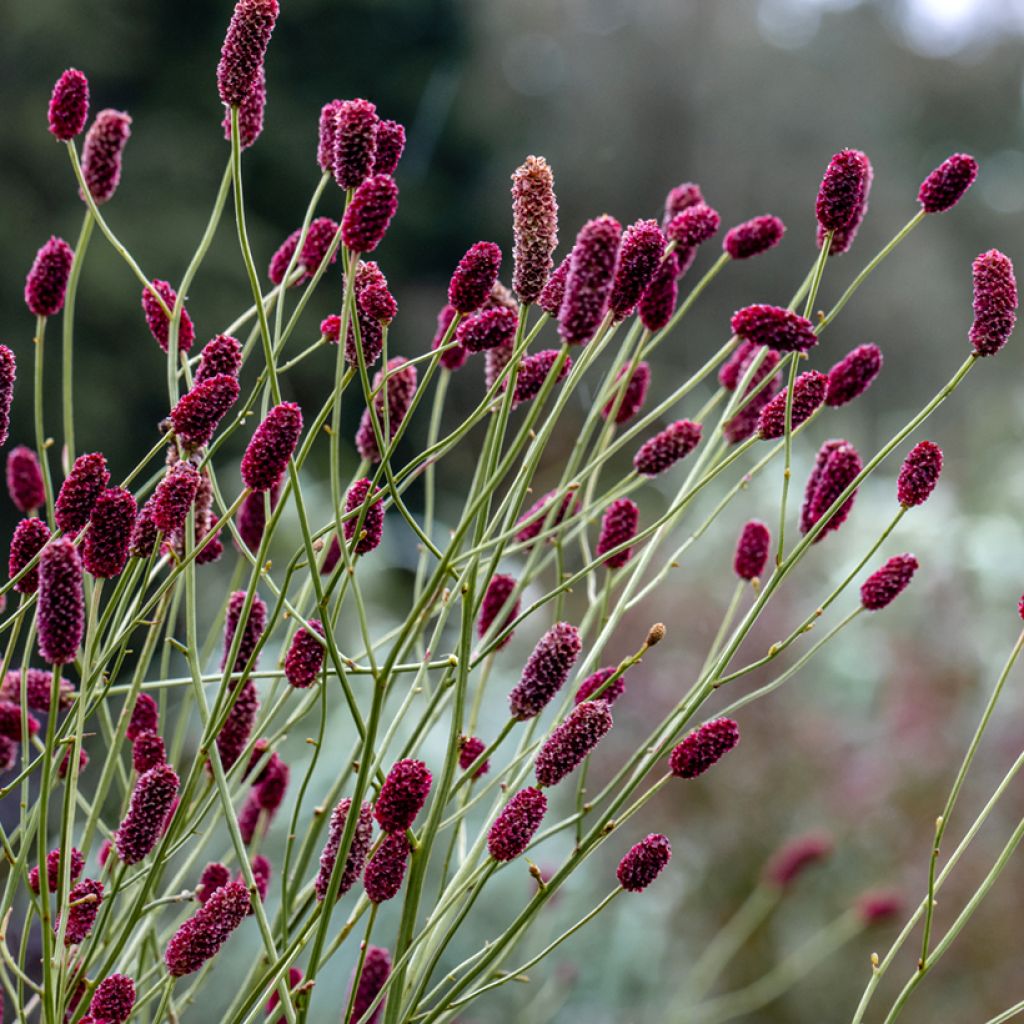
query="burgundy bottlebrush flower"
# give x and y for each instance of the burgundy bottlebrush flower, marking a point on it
(618, 525)
(534, 370)
(69, 105)
(658, 302)
(884, 585)
(703, 747)
(853, 375)
(454, 357)
(82, 486)
(564, 750)
(753, 237)
(842, 189)
(325, 135)
(65, 764)
(376, 969)
(38, 689)
(213, 877)
(8, 754)
(371, 337)
(202, 935)
(837, 465)
(199, 411)
(102, 153)
(372, 529)
(495, 361)
(995, 302)
(54, 869)
(377, 303)
(693, 226)
(10, 721)
(843, 237)
(245, 49)
(277, 269)
(319, 238)
(535, 227)
(552, 294)
(778, 328)
(113, 999)
(517, 824)
(643, 246)
(84, 901)
(105, 550)
(252, 516)
(174, 496)
(30, 536)
(470, 748)
(60, 612)
(545, 671)
(680, 198)
(305, 657)
(633, 394)
(221, 354)
(390, 147)
(250, 113)
(398, 393)
(667, 447)
(589, 282)
(919, 474)
(385, 870)
(47, 279)
(255, 624)
(158, 322)
(808, 396)
(369, 214)
(536, 517)
(878, 906)
(791, 860)
(272, 444)
(150, 804)
(355, 142)
(25, 479)
(148, 751)
(402, 795)
(752, 550)
(474, 277)
(488, 329)
(261, 872)
(735, 367)
(499, 590)
(145, 717)
(294, 977)
(946, 185)
(237, 728)
(358, 850)
(644, 862)
(8, 367)
(594, 682)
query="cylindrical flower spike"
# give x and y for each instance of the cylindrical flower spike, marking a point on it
(47, 280)
(474, 277)
(369, 214)
(10, 721)
(837, 465)
(884, 585)
(357, 851)
(633, 394)
(148, 751)
(667, 447)
(753, 237)
(535, 227)
(499, 590)
(237, 728)
(250, 114)
(113, 1000)
(594, 682)
(252, 516)
(390, 146)
(402, 795)
(145, 717)
(995, 302)
(795, 857)
(158, 322)
(658, 302)
(545, 671)
(102, 153)
(643, 246)
(842, 189)
(319, 238)
(174, 497)
(564, 750)
(470, 748)
(843, 237)
(376, 969)
(552, 294)
(517, 824)
(60, 612)
(325, 135)
(105, 550)
(30, 536)
(200, 938)
(398, 393)
(919, 474)
(808, 396)
(266, 457)
(682, 197)
(534, 370)
(454, 357)
(488, 329)
(385, 870)
(853, 375)
(878, 906)
(252, 632)
(752, 550)
(644, 862)
(693, 226)
(704, 747)
(25, 479)
(38, 689)
(377, 303)
(198, 412)
(618, 525)
(69, 105)
(355, 142)
(54, 868)
(8, 372)
(946, 185)
(245, 49)
(373, 521)
(536, 517)
(305, 657)
(778, 328)
(588, 284)
(84, 901)
(88, 478)
(151, 802)
(221, 354)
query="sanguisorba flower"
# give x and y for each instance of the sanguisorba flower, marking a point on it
(38, 689)
(692, 227)
(47, 280)
(703, 748)
(633, 394)
(398, 393)
(197, 414)
(496, 597)
(808, 396)
(853, 375)
(151, 802)
(250, 113)
(752, 550)
(385, 870)
(358, 850)
(474, 276)
(618, 525)
(791, 860)
(272, 445)
(402, 795)
(534, 226)
(88, 478)
(60, 612)
(54, 869)
(843, 190)
(69, 105)
(113, 1000)
(658, 302)
(778, 328)
(837, 465)
(8, 372)
(376, 970)
(245, 49)
(105, 550)
(369, 214)
(252, 631)
(517, 824)
(534, 371)
(372, 529)
(545, 671)
(667, 447)
(564, 750)
(681, 198)
(319, 238)
(159, 323)
(102, 153)
(995, 302)
(884, 585)
(84, 901)
(753, 237)
(487, 329)
(221, 354)
(644, 862)
(11, 721)
(640, 254)
(174, 496)
(879, 905)
(145, 717)
(355, 142)
(390, 146)
(470, 748)
(590, 686)
(305, 656)
(946, 185)
(536, 517)
(148, 751)
(589, 281)
(200, 938)
(25, 479)
(551, 295)
(30, 536)
(919, 474)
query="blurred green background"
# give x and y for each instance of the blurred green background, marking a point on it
(626, 98)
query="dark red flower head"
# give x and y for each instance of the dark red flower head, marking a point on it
(369, 214)
(588, 284)
(876, 907)
(633, 394)
(355, 142)
(11, 721)
(60, 612)
(377, 303)
(640, 255)
(148, 751)
(402, 795)
(594, 682)
(145, 717)
(499, 590)
(38, 689)
(536, 517)
(174, 496)
(54, 868)
(69, 105)
(644, 862)
(564, 750)
(319, 238)
(546, 670)
(535, 227)
(843, 189)
(390, 146)
(534, 370)
(919, 474)
(30, 536)
(376, 969)
(105, 550)
(884, 585)
(84, 902)
(266, 458)
(753, 237)
(836, 467)
(198, 412)
(693, 226)
(358, 850)
(250, 113)
(158, 322)
(552, 294)
(474, 277)
(517, 824)
(667, 447)
(8, 368)
(658, 302)
(237, 728)
(752, 550)
(305, 657)
(82, 486)
(853, 375)
(245, 49)
(618, 525)
(102, 152)
(995, 302)
(113, 999)
(47, 280)
(470, 748)
(200, 938)
(843, 237)
(488, 329)
(455, 356)
(398, 393)
(704, 747)
(808, 396)
(385, 870)
(946, 185)
(294, 977)
(221, 354)
(252, 516)
(792, 859)
(325, 136)
(151, 802)
(778, 328)
(252, 632)
(372, 530)
(682, 197)
(25, 479)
